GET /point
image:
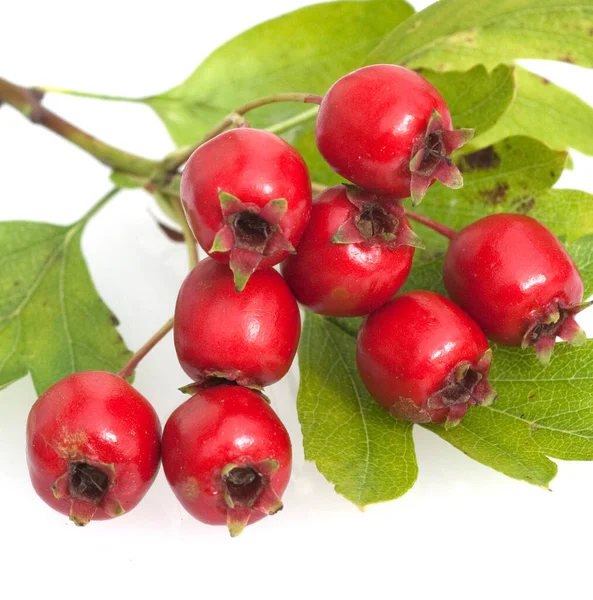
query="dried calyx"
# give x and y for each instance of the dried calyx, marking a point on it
(431, 160)
(250, 233)
(248, 488)
(87, 482)
(554, 322)
(87, 487)
(376, 221)
(465, 386)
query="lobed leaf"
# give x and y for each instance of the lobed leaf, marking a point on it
(547, 112)
(52, 321)
(356, 445)
(456, 34)
(581, 251)
(541, 412)
(476, 98)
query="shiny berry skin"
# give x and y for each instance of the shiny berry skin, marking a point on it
(348, 279)
(388, 130)
(93, 446)
(516, 280)
(227, 456)
(250, 337)
(247, 196)
(424, 359)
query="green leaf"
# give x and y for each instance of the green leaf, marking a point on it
(303, 139)
(568, 213)
(304, 51)
(426, 273)
(356, 445)
(52, 321)
(457, 34)
(547, 112)
(541, 412)
(581, 251)
(476, 99)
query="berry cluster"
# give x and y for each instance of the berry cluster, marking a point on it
(94, 443)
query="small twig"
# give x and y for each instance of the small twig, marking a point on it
(178, 157)
(161, 176)
(28, 102)
(131, 365)
(434, 225)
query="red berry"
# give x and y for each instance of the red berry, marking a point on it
(424, 359)
(388, 130)
(516, 280)
(354, 255)
(227, 457)
(250, 337)
(93, 446)
(247, 195)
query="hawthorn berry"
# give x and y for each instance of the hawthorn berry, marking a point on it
(227, 456)
(516, 280)
(247, 197)
(424, 359)
(93, 446)
(354, 255)
(250, 337)
(388, 130)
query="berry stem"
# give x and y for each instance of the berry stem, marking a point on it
(178, 157)
(434, 225)
(303, 117)
(28, 102)
(131, 365)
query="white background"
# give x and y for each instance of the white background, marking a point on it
(463, 531)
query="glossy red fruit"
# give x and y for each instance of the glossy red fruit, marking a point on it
(227, 457)
(354, 255)
(247, 196)
(424, 359)
(93, 446)
(516, 280)
(250, 337)
(388, 130)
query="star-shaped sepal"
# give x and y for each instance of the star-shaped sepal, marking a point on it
(249, 234)
(248, 488)
(553, 322)
(376, 221)
(97, 478)
(431, 160)
(465, 386)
